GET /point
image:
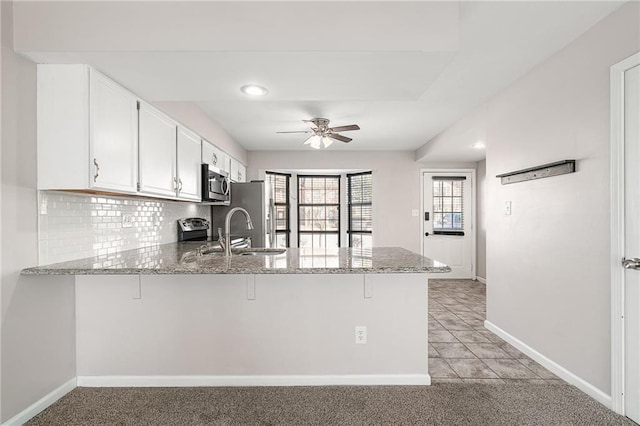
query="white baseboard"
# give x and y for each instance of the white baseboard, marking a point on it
(552, 366)
(44, 402)
(284, 380)
(482, 280)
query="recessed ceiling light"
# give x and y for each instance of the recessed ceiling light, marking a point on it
(254, 90)
(478, 145)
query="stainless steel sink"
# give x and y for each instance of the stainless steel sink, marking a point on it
(254, 251)
(258, 251)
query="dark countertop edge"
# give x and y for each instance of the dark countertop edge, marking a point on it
(145, 271)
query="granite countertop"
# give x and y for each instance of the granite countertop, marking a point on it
(183, 258)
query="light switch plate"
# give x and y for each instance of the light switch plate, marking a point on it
(507, 208)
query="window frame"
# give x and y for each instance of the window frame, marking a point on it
(338, 205)
(350, 204)
(287, 205)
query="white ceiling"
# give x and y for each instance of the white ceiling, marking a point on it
(403, 71)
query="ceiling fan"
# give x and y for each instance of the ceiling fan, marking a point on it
(322, 134)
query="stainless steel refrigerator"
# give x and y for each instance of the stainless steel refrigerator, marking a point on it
(255, 197)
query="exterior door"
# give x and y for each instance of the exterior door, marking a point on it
(632, 242)
(448, 221)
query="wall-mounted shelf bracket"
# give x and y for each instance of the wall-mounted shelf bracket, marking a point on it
(539, 172)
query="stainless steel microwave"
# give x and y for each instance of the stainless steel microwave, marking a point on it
(215, 185)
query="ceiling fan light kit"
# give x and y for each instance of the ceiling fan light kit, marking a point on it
(316, 142)
(322, 134)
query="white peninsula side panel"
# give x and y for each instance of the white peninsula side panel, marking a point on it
(271, 329)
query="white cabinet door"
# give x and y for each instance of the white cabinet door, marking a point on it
(226, 163)
(113, 136)
(242, 173)
(157, 143)
(238, 171)
(233, 172)
(189, 158)
(215, 157)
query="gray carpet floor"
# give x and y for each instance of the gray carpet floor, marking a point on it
(441, 404)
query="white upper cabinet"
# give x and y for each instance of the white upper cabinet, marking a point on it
(238, 171)
(169, 157)
(215, 158)
(242, 173)
(113, 126)
(189, 160)
(94, 135)
(157, 142)
(87, 131)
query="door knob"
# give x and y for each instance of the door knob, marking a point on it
(633, 263)
(426, 234)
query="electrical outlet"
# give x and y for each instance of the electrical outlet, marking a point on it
(415, 213)
(127, 221)
(507, 208)
(361, 334)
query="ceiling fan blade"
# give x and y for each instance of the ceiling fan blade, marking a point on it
(298, 131)
(345, 128)
(339, 137)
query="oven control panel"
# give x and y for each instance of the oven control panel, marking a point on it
(193, 224)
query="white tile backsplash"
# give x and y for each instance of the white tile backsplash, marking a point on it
(75, 226)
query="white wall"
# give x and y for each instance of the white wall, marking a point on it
(207, 326)
(396, 186)
(37, 335)
(547, 263)
(193, 117)
(481, 222)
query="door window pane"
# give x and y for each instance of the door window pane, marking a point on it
(448, 203)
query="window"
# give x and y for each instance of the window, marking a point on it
(448, 212)
(359, 195)
(279, 184)
(318, 211)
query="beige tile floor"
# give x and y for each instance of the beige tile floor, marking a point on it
(461, 350)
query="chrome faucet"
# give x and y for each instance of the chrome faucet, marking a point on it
(225, 241)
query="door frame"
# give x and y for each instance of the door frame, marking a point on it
(473, 211)
(617, 230)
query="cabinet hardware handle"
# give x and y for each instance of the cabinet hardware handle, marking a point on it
(633, 263)
(95, 176)
(180, 186)
(175, 183)
(214, 158)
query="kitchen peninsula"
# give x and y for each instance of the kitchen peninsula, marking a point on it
(170, 315)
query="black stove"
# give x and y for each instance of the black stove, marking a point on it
(192, 229)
